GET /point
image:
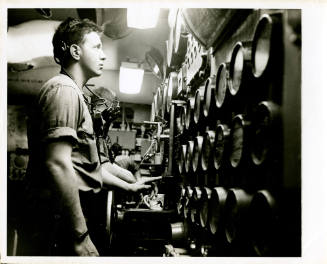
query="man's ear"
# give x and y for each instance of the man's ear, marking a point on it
(75, 51)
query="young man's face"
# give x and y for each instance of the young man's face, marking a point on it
(92, 56)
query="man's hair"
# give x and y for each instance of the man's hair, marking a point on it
(70, 31)
(116, 149)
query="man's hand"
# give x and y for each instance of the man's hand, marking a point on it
(141, 184)
(145, 179)
(111, 180)
(85, 247)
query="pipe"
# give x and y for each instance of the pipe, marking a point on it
(171, 90)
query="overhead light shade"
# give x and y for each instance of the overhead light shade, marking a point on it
(130, 79)
(142, 18)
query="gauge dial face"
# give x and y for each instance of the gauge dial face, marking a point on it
(189, 156)
(237, 142)
(260, 144)
(206, 151)
(214, 213)
(232, 218)
(216, 207)
(221, 86)
(208, 98)
(204, 211)
(262, 222)
(262, 46)
(219, 148)
(197, 152)
(237, 71)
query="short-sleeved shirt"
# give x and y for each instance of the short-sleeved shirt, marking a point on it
(61, 113)
(127, 163)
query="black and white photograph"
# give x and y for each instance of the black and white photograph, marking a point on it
(162, 133)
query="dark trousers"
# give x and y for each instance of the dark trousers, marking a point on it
(44, 232)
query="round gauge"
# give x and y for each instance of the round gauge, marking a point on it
(209, 91)
(197, 152)
(207, 148)
(216, 205)
(204, 210)
(264, 123)
(261, 45)
(197, 106)
(260, 144)
(222, 133)
(237, 141)
(262, 222)
(189, 155)
(232, 217)
(188, 196)
(180, 197)
(196, 197)
(236, 68)
(221, 85)
(237, 203)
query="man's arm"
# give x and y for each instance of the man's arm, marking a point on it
(112, 180)
(59, 165)
(119, 172)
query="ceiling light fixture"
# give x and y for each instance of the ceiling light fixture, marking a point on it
(130, 77)
(142, 18)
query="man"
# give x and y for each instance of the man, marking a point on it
(63, 156)
(125, 162)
